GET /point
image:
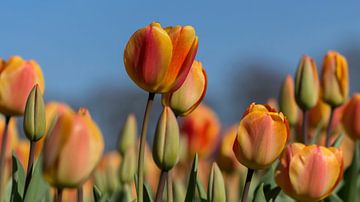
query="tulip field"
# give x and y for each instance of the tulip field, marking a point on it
(302, 146)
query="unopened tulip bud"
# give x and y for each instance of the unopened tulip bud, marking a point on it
(319, 115)
(17, 78)
(166, 140)
(216, 186)
(128, 166)
(287, 101)
(185, 99)
(306, 83)
(309, 173)
(128, 134)
(262, 135)
(351, 117)
(34, 116)
(72, 150)
(334, 79)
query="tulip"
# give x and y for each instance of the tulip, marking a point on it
(128, 166)
(334, 79)
(72, 150)
(319, 115)
(106, 172)
(128, 134)
(185, 99)
(13, 135)
(262, 135)
(17, 78)
(22, 150)
(158, 60)
(202, 128)
(309, 173)
(306, 83)
(287, 101)
(351, 117)
(166, 140)
(216, 186)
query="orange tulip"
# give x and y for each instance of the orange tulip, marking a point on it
(185, 99)
(72, 150)
(17, 78)
(334, 79)
(202, 129)
(287, 101)
(158, 60)
(319, 115)
(12, 136)
(309, 173)
(351, 117)
(262, 135)
(22, 150)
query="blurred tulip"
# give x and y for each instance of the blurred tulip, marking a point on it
(34, 116)
(128, 134)
(216, 186)
(12, 140)
(158, 60)
(272, 102)
(185, 99)
(72, 150)
(152, 172)
(128, 166)
(306, 83)
(166, 140)
(319, 115)
(202, 128)
(334, 79)
(262, 135)
(107, 171)
(309, 173)
(287, 101)
(351, 117)
(22, 150)
(17, 78)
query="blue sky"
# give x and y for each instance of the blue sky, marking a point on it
(79, 44)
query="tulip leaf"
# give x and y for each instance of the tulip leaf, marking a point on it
(147, 196)
(201, 190)
(268, 178)
(333, 198)
(18, 181)
(338, 140)
(282, 197)
(38, 187)
(98, 196)
(190, 193)
(349, 191)
(271, 193)
(259, 195)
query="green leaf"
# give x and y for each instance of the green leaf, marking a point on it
(201, 190)
(338, 140)
(148, 195)
(282, 197)
(333, 198)
(268, 178)
(349, 191)
(271, 193)
(190, 193)
(259, 195)
(97, 193)
(38, 188)
(122, 195)
(18, 182)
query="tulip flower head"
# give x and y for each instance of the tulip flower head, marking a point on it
(185, 99)
(13, 135)
(17, 78)
(158, 60)
(72, 150)
(262, 135)
(287, 101)
(306, 83)
(334, 79)
(309, 173)
(351, 117)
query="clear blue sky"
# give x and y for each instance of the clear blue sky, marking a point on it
(79, 44)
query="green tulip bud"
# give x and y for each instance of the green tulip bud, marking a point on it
(216, 186)
(307, 83)
(166, 140)
(128, 166)
(34, 116)
(128, 134)
(287, 101)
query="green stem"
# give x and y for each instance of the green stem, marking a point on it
(2, 154)
(145, 124)
(161, 186)
(30, 166)
(169, 188)
(80, 194)
(247, 184)
(304, 126)
(328, 129)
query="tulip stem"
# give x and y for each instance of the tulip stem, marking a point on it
(247, 184)
(304, 126)
(329, 126)
(161, 186)
(80, 194)
(169, 188)
(59, 195)
(30, 166)
(145, 123)
(2, 154)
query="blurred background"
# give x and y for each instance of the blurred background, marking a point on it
(247, 48)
